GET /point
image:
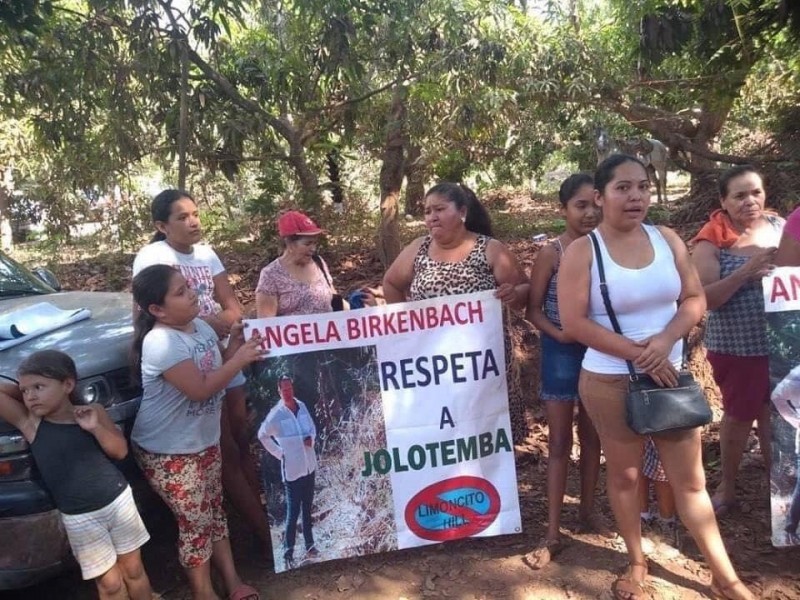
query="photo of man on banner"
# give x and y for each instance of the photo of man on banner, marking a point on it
(288, 433)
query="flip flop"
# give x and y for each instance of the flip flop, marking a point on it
(244, 592)
(723, 508)
(544, 552)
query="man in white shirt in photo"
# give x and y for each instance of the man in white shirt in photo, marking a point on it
(288, 433)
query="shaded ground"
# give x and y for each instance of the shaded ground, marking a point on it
(492, 568)
(480, 568)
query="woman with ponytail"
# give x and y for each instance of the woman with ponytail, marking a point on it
(177, 243)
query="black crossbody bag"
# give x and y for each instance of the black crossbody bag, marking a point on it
(650, 408)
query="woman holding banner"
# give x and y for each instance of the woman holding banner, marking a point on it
(459, 256)
(733, 251)
(658, 298)
(298, 281)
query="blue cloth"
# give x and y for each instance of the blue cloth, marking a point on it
(561, 366)
(356, 299)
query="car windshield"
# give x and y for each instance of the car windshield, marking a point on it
(16, 280)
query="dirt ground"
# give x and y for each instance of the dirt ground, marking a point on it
(490, 568)
(493, 568)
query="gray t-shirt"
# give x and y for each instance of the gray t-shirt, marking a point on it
(167, 421)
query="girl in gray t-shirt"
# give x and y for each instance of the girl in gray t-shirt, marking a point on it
(184, 373)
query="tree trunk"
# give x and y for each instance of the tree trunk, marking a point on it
(296, 158)
(183, 125)
(335, 176)
(183, 116)
(415, 172)
(391, 178)
(309, 182)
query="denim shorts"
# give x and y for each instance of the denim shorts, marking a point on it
(561, 367)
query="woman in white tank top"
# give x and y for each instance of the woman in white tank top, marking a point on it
(658, 298)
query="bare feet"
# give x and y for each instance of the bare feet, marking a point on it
(595, 523)
(544, 552)
(735, 590)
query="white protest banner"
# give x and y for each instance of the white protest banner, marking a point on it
(413, 436)
(782, 305)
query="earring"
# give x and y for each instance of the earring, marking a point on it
(463, 219)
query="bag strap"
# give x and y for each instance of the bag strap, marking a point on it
(607, 300)
(318, 261)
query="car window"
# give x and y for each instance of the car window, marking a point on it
(16, 280)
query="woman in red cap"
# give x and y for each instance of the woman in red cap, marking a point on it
(298, 281)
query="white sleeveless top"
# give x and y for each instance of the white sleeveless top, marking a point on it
(644, 300)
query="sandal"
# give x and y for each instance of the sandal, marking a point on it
(627, 588)
(244, 592)
(726, 592)
(544, 552)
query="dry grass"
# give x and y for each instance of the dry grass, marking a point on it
(356, 512)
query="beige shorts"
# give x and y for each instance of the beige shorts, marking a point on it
(603, 397)
(98, 537)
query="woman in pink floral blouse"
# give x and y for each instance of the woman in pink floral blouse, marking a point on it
(298, 281)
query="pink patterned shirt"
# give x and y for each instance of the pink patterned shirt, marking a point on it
(295, 297)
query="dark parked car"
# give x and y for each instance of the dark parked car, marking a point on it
(33, 545)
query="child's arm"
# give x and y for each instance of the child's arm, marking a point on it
(199, 386)
(226, 298)
(94, 419)
(540, 278)
(14, 412)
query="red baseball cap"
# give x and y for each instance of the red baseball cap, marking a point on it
(296, 223)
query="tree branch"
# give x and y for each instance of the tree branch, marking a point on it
(230, 90)
(677, 132)
(337, 105)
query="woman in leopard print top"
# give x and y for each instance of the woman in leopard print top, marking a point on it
(458, 256)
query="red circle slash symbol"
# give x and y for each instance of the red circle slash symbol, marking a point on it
(452, 509)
